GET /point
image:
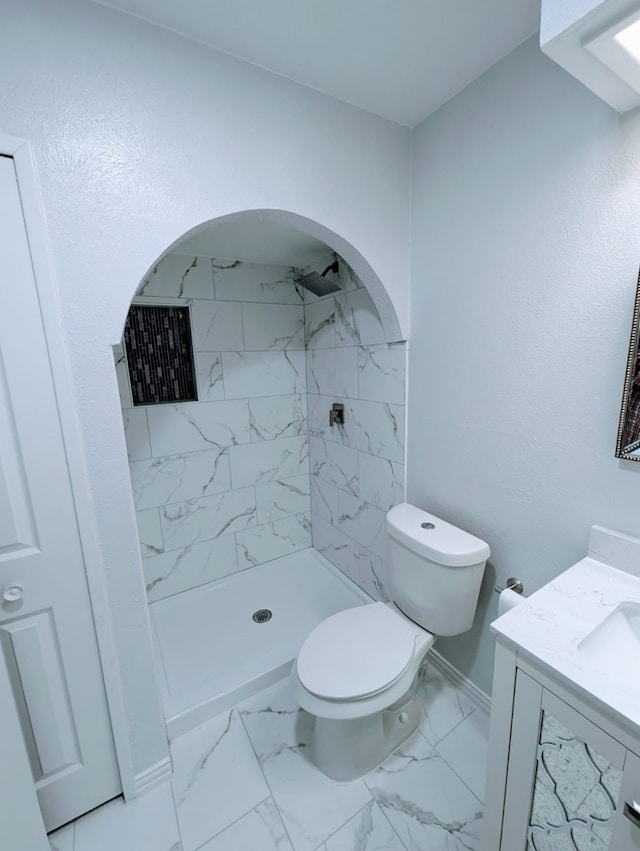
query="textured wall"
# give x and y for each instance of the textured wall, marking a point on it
(357, 470)
(526, 244)
(222, 484)
(140, 136)
(558, 15)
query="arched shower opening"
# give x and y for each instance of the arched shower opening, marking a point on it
(257, 515)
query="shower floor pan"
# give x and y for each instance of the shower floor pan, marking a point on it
(211, 653)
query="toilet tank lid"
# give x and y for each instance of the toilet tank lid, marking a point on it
(438, 540)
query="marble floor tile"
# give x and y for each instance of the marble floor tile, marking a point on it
(312, 806)
(444, 706)
(216, 778)
(274, 720)
(423, 798)
(368, 830)
(261, 829)
(427, 804)
(146, 824)
(64, 838)
(465, 749)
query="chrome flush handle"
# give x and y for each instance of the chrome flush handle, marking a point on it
(632, 812)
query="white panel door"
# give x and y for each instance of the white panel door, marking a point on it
(47, 635)
(22, 826)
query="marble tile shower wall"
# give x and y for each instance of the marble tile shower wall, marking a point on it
(222, 484)
(357, 470)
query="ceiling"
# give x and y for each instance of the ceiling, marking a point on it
(254, 238)
(400, 59)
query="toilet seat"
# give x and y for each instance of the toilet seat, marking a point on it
(356, 653)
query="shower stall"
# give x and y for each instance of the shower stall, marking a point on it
(258, 513)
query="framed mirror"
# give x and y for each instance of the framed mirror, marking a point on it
(628, 443)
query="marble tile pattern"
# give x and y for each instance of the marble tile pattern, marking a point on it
(255, 458)
(222, 484)
(587, 594)
(146, 824)
(357, 470)
(244, 780)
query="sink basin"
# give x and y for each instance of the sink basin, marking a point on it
(614, 645)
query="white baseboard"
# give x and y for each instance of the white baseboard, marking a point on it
(464, 684)
(154, 776)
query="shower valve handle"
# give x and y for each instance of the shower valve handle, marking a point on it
(336, 414)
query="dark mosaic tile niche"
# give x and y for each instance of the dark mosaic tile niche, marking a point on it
(160, 355)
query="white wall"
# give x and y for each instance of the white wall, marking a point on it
(139, 136)
(526, 244)
(525, 250)
(558, 15)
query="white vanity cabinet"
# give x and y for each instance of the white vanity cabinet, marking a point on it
(562, 775)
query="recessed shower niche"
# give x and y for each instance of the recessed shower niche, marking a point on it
(157, 342)
(253, 472)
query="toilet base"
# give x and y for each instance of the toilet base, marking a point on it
(346, 749)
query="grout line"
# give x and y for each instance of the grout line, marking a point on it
(173, 798)
(266, 779)
(244, 336)
(225, 448)
(345, 823)
(459, 776)
(213, 277)
(387, 819)
(235, 821)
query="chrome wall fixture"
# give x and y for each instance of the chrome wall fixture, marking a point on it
(336, 414)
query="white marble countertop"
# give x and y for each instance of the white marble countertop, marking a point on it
(549, 625)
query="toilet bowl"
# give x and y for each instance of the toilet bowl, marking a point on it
(363, 711)
(357, 670)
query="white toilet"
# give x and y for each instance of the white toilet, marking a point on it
(357, 670)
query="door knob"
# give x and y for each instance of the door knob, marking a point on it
(13, 593)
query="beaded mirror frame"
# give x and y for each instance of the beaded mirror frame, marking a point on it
(628, 442)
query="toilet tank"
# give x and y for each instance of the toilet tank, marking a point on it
(436, 570)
